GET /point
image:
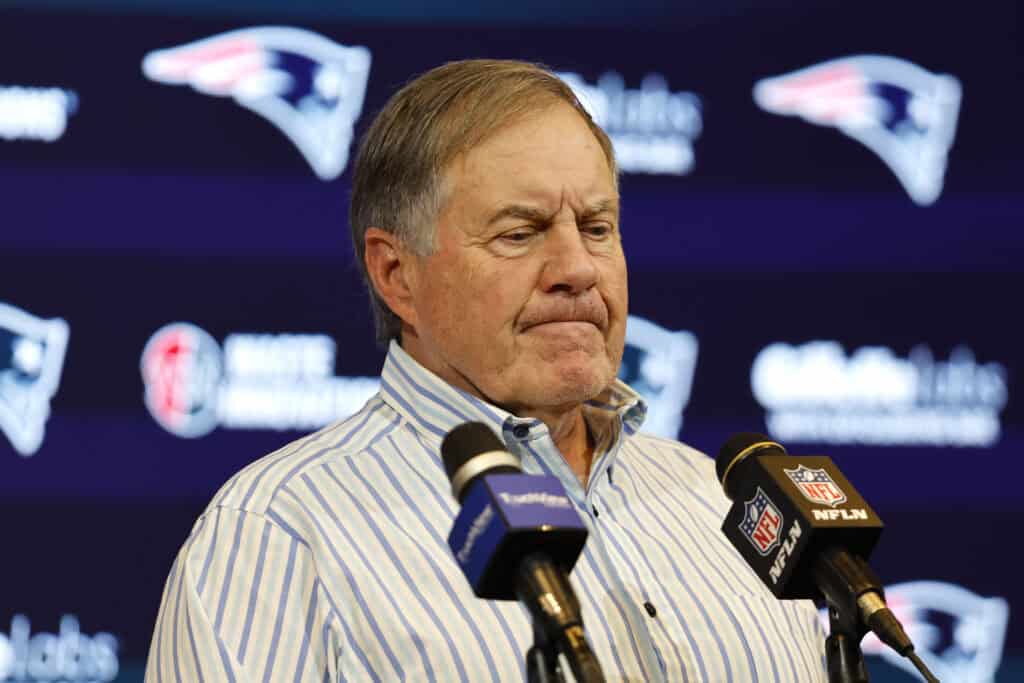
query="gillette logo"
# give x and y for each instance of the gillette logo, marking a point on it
(35, 113)
(815, 393)
(536, 498)
(651, 128)
(68, 657)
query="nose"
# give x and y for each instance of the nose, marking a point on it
(569, 266)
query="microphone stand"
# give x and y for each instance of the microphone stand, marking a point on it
(843, 579)
(842, 649)
(542, 659)
(557, 625)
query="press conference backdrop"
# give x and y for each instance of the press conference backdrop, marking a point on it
(822, 214)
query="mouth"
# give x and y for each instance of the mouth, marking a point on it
(581, 316)
(562, 326)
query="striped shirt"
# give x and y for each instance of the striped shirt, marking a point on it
(328, 560)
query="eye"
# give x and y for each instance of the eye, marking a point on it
(597, 230)
(517, 236)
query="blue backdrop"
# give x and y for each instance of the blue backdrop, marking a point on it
(839, 257)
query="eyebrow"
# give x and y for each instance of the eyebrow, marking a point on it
(536, 215)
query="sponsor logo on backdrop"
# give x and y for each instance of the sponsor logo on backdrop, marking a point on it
(958, 634)
(659, 364)
(68, 656)
(33, 113)
(901, 112)
(762, 522)
(31, 357)
(182, 368)
(310, 87)
(816, 485)
(256, 381)
(816, 393)
(652, 128)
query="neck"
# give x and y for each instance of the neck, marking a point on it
(572, 438)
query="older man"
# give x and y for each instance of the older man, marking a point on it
(485, 213)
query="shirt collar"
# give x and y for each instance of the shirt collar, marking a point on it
(436, 407)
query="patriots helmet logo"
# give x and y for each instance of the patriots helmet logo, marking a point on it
(31, 357)
(957, 633)
(659, 364)
(308, 86)
(903, 113)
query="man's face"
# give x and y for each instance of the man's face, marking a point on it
(524, 301)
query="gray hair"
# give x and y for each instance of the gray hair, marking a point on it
(398, 177)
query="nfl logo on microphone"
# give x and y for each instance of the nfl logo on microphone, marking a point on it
(761, 522)
(816, 485)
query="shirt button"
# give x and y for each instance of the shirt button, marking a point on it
(521, 431)
(594, 510)
(650, 609)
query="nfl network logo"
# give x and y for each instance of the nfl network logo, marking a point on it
(761, 522)
(901, 112)
(31, 357)
(816, 485)
(659, 365)
(311, 88)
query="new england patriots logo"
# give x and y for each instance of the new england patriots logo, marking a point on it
(903, 113)
(659, 365)
(306, 85)
(959, 634)
(31, 358)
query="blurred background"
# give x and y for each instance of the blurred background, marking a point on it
(822, 214)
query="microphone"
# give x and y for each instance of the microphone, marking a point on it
(518, 536)
(807, 533)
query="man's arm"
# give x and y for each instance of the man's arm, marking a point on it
(242, 603)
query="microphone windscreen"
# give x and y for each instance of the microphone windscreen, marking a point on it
(736, 444)
(465, 442)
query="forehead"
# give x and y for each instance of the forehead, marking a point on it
(532, 157)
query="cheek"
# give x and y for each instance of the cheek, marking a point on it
(616, 285)
(477, 308)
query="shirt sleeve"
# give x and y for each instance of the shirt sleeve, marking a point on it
(243, 603)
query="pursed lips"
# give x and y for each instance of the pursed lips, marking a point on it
(583, 311)
(547, 322)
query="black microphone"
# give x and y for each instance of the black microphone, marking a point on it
(806, 532)
(518, 536)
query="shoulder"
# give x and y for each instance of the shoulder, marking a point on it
(671, 453)
(252, 490)
(684, 467)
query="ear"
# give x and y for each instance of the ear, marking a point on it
(391, 269)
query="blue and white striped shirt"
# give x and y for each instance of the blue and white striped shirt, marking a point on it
(328, 560)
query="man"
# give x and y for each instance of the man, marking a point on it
(485, 213)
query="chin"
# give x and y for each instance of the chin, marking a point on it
(577, 383)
